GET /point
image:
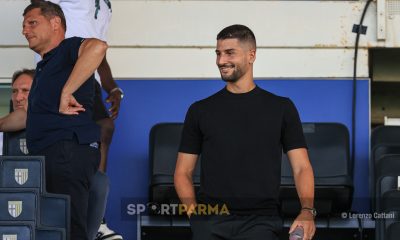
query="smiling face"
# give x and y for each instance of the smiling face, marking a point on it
(20, 91)
(234, 59)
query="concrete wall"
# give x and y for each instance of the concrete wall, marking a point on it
(176, 39)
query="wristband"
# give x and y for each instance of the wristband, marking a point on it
(313, 211)
(118, 89)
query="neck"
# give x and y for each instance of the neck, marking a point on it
(243, 85)
(52, 44)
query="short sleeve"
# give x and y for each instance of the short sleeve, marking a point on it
(73, 45)
(292, 131)
(191, 139)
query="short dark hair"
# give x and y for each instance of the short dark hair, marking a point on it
(49, 10)
(17, 74)
(240, 32)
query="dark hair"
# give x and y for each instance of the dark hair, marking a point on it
(240, 32)
(49, 10)
(30, 72)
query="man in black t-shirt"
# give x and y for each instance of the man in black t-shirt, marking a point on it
(240, 133)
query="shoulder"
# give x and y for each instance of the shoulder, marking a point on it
(278, 103)
(212, 99)
(72, 41)
(205, 104)
(69, 48)
(273, 97)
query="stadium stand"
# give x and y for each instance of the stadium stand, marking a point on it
(26, 211)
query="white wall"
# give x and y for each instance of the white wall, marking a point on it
(176, 39)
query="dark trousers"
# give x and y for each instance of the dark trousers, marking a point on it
(234, 227)
(69, 168)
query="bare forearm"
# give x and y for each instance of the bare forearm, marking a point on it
(106, 78)
(90, 57)
(304, 180)
(14, 121)
(184, 188)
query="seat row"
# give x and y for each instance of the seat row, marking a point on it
(329, 157)
(385, 180)
(27, 212)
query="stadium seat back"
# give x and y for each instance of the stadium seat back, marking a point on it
(22, 172)
(18, 205)
(14, 143)
(55, 219)
(385, 135)
(163, 151)
(16, 231)
(328, 149)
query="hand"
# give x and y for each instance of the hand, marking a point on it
(115, 99)
(306, 220)
(69, 105)
(190, 210)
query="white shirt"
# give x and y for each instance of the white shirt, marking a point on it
(81, 21)
(1, 143)
(80, 17)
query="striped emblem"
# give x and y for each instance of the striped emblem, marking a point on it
(21, 175)
(10, 237)
(22, 146)
(14, 208)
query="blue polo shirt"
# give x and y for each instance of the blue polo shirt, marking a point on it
(45, 125)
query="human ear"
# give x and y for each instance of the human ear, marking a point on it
(252, 56)
(56, 23)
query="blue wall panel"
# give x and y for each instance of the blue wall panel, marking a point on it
(148, 102)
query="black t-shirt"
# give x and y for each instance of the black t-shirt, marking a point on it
(240, 138)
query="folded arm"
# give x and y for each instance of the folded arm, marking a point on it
(14, 121)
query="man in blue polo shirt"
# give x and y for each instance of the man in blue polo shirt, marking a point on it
(59, 123)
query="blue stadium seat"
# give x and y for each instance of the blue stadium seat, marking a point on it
(16, 231)
(14, 143)
(163, 151)
(328, 149)
(18, 205)
(22, 172)
(46, 233)
(23, 197)
(51, 218)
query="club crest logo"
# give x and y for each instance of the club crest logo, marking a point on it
(21, 175)
(14, 208)
(10, 237)
(22, 146)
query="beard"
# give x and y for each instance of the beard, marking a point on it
(234, 77)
